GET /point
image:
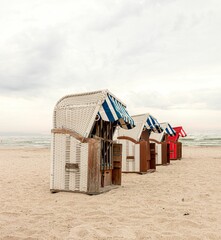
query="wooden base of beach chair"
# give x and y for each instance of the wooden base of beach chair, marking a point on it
(175, 151)
(101, 190)
(104, 190)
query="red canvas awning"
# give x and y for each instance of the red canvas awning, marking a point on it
(179, 133)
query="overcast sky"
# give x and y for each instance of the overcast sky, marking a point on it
(157, 56)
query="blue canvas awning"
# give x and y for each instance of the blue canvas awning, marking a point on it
(170, 131)
(153, 124)
(112, 110)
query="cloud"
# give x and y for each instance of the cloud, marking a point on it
(29, 59)
(124, 45)
(201, 99)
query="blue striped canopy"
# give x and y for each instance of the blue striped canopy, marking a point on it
(153, 124)
(170, 131)
(114, 111)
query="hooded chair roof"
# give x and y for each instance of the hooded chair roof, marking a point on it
(167, 129)
(78, 112)
(142, 122)
(179, 133)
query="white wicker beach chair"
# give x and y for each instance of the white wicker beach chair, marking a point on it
(162, 146)
(84, 156)
(138, 154)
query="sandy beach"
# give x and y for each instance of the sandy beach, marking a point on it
(179, 201)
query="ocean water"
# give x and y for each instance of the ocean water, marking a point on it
(38, 141)
(44, 141)
(201, 140)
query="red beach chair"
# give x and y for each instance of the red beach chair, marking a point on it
(175, 145)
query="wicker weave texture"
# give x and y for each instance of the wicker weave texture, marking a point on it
(79, 120)
(158, 149)
(130, 149)
(59, 156)
(66, 150)
(80, 100)
(134, 133)
(137, 157)
(84, 167)
(78, 112)
(157, 136)
(52, 161)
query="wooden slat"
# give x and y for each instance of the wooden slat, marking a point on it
(173, 151)
(71, 166)
(152, 156)
(128, 138)
(130, 157)
(71, 133)
(179, 150)
(144, 156)
(164, 153)
(145, 135)
(117, 164)
(107, 177)
(155, 141)
(94, 154)
(168, 153)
